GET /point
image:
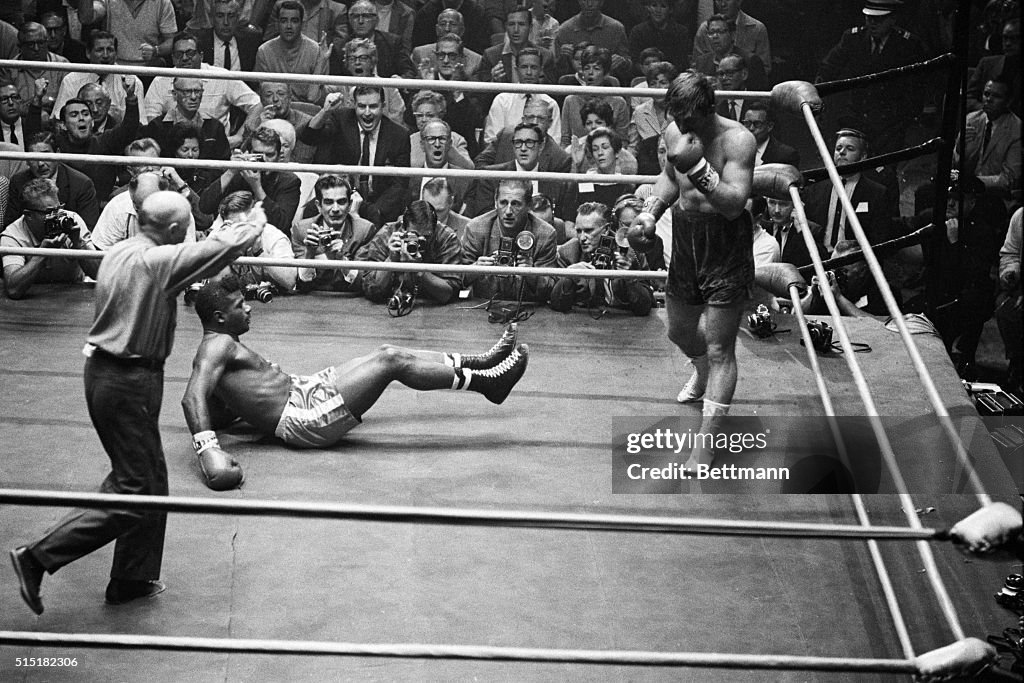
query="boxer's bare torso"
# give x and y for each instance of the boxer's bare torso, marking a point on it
(728, 147)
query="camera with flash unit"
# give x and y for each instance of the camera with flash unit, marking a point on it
(413, 244)
(509, 249)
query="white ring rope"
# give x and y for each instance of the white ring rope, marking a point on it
(395, 171)
(400, 83)
(464, 517)
(885, 447)
(475, 652)
(894, 310)
(884, 578)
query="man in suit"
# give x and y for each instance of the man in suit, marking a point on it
(721, 37)
(537, 112)
(527, 144)
(449, 23)
(435, 140)
(362, 135)
(228, 45)
(1004, 67)
(498, 61)
(60, 43)
(461, 112)
(992, 145)
(15, 128)
(74, 189)
(749, 34)
(732, 73)
(777, 220)
(509, 217)
(392, 57)
(821, 203)
(759, 120)
(360, 57)
(333, 234)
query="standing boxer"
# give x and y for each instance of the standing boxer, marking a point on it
(707, 181)
(136, 311)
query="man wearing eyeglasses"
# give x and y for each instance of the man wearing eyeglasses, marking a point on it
(448, 62)
(444, 60)
(748, 34)
(721, 40)
(361, 60)
(188, 97)
(44, 223)
(34, 47)
(435, 140)
(217, 98)
(508, 107)
(537, 112)
(759, 120)
(15, 128)
(528, 142)
(59, 42)
(392, 58)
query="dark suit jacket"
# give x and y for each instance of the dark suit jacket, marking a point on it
(722, 108)
(339, 139)
(552, 157)
(492, 56)
(780, 153)
(562, 194)
(74, 51)
(248, 43)
(868, 194)
(994, 66)
(795, 251)
(282, 188)
(75, 190)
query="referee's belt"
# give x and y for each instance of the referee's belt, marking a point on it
(147, 363)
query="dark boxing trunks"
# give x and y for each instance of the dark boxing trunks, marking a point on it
(712, 258)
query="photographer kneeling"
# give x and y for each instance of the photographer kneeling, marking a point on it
(44, 223)
(416, 238)
(510, 236)
(598, 246)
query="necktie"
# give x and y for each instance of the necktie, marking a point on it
(985, 140)
(732, 110)
(364, 160)
(14, 136)
(227, 56)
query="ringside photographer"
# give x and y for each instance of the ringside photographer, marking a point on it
(416, 238)
(599, 246)
(44, 223)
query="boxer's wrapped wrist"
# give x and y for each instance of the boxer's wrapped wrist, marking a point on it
(703, 176)
(655, 206)
(204, 440)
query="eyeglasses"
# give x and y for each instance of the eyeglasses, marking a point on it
(190, 92)
(436, 139)
(59, 207)
(184, 54)
(10, 98)
(33, 43)
(528, 144)
(358, 59)
(717, 31)
(362, 15)
(446, 56)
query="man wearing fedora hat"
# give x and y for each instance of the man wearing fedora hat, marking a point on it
(882, 110)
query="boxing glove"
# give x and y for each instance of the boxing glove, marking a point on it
(774, 180)
(776, 278)
(688, 158)
(641, 233)
(220, 471)
(790, 96)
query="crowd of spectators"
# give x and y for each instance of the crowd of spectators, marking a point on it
(642, 44)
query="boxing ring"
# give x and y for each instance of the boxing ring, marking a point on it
(442, 521)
